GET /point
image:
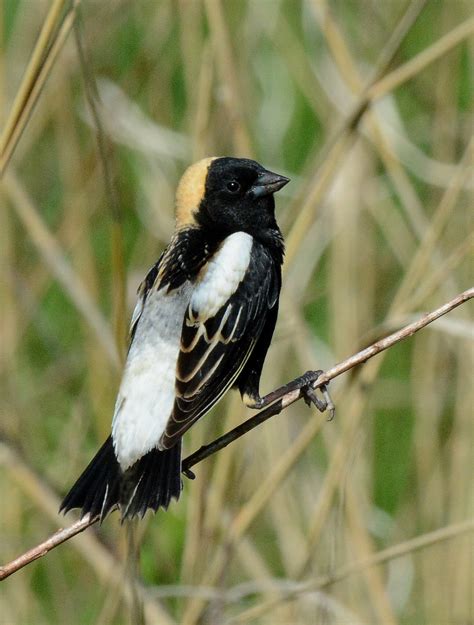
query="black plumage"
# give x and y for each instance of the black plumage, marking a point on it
(226, 352)
(203, 323)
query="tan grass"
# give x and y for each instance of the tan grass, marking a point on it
(293, 510)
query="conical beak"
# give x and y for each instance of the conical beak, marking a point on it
(268, 183)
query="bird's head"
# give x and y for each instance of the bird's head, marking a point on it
(226, 195)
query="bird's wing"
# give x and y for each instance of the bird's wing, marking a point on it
(143, 291)
(169, 271)
(215, 347)
(147, 390)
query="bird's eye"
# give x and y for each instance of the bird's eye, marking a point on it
(233, 186)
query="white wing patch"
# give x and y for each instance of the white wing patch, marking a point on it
(223, 274)
(146, 396)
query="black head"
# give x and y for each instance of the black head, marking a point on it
(225, 195)
(239, 196)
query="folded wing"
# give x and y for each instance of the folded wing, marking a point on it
(216, 342)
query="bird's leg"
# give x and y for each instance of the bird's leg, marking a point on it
(304, 383)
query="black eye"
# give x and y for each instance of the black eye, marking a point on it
(233, 186)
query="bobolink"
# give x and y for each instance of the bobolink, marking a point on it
(203, 323)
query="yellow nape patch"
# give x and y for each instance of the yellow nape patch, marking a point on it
(190, 192)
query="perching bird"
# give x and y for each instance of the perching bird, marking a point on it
(203, 323)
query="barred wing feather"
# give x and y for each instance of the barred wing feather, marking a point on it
(214, 349)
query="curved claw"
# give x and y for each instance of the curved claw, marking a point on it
(310, 397)
(329, 403)
(307, 400)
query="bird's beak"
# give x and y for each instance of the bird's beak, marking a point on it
(268, 183)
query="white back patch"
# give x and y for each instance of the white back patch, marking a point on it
(223, 274)
(147, 391)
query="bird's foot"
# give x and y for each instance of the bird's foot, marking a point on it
(310, 396)
(305, 384)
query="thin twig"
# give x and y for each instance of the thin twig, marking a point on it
(330, 374)
(204, 452)
(103, 561)
(43, 548)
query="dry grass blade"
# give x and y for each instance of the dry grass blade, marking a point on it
(240, 524)
(343, 139)
(443, 272)
(430, 235)
(343, 57)
(31, 74)
(102, 561)
(414, 275)
(356, 402)
(54, 257)
(225, 61)
(36, 75)
(381, 557)
(363, 546)
(413, 67)
(107, 162)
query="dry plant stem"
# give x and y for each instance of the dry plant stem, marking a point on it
(226, 66)
(341, 142)
(55, 258)
(106, 157)
(103, 562)
(204, 452)
(32, 71)
(379, 86)
(43, 548)
(33, 82)
(414, 66)
(322, 380)
(380, 557)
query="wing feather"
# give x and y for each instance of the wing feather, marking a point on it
(215, 349)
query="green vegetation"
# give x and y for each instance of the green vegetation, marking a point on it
(378, 224)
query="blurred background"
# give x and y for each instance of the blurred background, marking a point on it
(368, 107)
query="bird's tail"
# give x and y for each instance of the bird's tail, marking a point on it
(150, 483)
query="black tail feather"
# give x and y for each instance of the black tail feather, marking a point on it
(150, 483)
